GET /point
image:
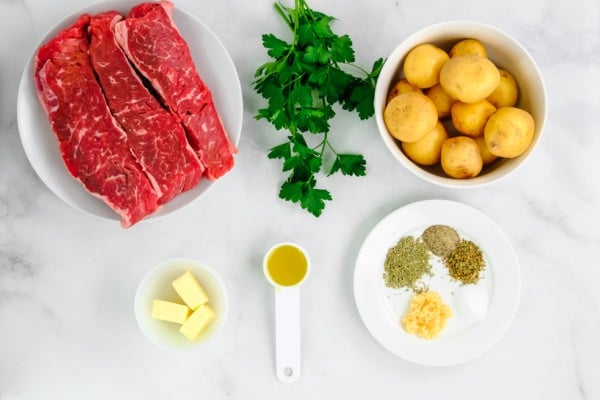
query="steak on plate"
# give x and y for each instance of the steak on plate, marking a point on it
(154, 45)
(93, 146)
(155, 136)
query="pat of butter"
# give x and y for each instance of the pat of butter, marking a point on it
(171, 312)
(197, 322)
(190, 291)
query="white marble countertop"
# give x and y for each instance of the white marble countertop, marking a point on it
(67, 280)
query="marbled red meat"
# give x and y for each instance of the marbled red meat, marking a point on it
(154, 45)
(155, 136)
(92, 144)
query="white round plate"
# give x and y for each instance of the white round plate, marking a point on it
(481, 312)
(41, 145)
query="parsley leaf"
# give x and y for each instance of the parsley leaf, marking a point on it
(314, 200)
(349, 164)
(281, 151)
(276, 46)
(341, 49)
(301, 83)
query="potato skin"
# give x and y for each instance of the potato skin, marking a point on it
(468, 47)
(402, 86)
(410, 116)
(507, 92)
(427, 150)
(423, 63)
(486, 156)
(470, 118)
(460, 157)
(469, 78)
(441, 99)
(509, 132)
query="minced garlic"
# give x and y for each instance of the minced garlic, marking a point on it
(426, 316)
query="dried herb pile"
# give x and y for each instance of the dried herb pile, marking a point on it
(440, 239)
(409, 260)
(406, 263)
(465, 263)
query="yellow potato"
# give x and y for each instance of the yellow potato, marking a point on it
(410, 116)
(468, 47)
(509, 132)
(402, 86)
(486, 156)
(427, 150)
(469, 78)
(460, 157)
(423, 63)
(506, 93)
(470, 118)
(442, 101)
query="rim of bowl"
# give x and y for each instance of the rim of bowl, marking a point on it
(456, 30)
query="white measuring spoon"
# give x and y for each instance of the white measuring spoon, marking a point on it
(287, 316)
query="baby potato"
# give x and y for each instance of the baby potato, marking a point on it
(423, 63)
(469, 78)
(440, 98)
(427, 150)
(402, 86)
(509, 132)
(486, 156)
(470, 118)
(468, 47)
(460, 157)
(506, 93)
(410, 116)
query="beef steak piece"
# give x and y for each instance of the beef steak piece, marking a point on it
(154, 45)
(93, 146)
(155, 136)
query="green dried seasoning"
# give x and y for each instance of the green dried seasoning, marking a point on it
(406, 263)
(440, 239)
(465, 263)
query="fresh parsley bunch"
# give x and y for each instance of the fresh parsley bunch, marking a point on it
(302, 83)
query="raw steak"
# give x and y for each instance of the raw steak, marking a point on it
(153, 44)
(93, 146)
(155, 137)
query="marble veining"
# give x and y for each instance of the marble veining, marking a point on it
(14, 263)
(67, 280)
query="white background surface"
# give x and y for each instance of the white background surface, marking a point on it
(67, 280)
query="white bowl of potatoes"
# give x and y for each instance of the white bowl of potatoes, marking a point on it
(460, 104)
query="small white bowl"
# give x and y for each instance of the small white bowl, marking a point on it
(507, 53)
(156, 284)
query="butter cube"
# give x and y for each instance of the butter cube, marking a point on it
(172, 312)
(197, 322)
(190, 291)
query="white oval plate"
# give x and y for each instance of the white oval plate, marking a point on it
(41, 145)
(481, 312)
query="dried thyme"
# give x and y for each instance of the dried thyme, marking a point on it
(465, 263)
(440, 239)
(406, 263)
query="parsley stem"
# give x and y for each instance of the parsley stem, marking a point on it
(324, 143)
(279, 9)
(364, 71)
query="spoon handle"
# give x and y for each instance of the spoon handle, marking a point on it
(287, 333)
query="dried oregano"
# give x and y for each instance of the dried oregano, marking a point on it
(465, 263)
(406, 263)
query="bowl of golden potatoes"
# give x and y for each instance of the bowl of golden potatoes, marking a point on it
(460, 104)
